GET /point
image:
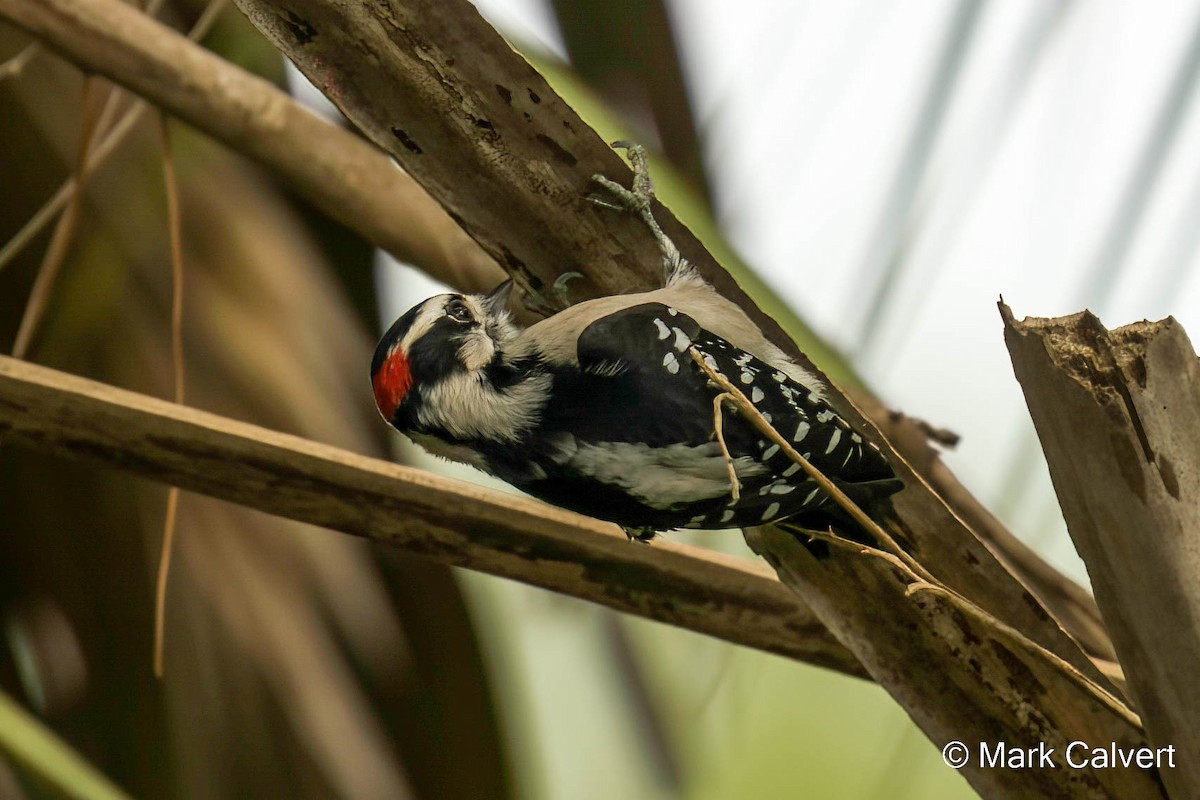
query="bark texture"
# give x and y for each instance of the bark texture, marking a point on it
(431, 82)
(1118, 415)
(437, 518)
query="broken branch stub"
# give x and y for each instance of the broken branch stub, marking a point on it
(1118, 415)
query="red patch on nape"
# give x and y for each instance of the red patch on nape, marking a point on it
(391, 383)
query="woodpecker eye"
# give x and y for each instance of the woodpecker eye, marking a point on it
(457, 310)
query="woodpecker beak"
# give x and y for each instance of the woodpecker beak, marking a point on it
(496, 301)
(391, 382)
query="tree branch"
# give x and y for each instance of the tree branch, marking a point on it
(1118, 415)
(1069, 602)
(987, 674)
(444, 520)
(962, 678)
(356, 185)
(435, 85)
(333, 168)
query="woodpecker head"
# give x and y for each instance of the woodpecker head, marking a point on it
(445, 336)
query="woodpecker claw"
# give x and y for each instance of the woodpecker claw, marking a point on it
(560, 289)
(640, 535)
(560, 295)
(640, 201)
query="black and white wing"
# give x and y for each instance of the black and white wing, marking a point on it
(632, 431)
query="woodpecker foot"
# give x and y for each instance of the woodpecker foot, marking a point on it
(638, 200)
(560, 296)
(643, 535)
(561, 289)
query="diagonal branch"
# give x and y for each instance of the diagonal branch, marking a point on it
(448, 521)
(529, 126)
(996, 672)
(484, 134)
(334, 169)
(435, 85)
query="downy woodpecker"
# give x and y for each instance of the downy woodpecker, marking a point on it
(601, 409)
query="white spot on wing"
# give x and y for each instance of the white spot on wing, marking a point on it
(770, 452)
(756, 395)
(811, 495)
(663, 331)
(833, 441)
(801, 432)
(747, 377)
(790, 471)
(682, 342)
(671, 362)
(728, 515)
(771, 511)
(743, 359)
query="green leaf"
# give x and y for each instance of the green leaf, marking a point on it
(40, 752)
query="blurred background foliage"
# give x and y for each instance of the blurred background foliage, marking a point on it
(887, 169)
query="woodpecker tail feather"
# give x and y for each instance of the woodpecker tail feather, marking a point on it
(835, 521)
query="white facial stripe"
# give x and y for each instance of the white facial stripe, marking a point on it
(433, 310)
(475, 306)
(477, 350)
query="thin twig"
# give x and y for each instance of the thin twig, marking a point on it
(98, 155)
(735, 486)
(44, 215)
(175, 230)
(160, 584)
(175, 234)
(43, 284)
(333, 168)
(857, 514)
(919, 584)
